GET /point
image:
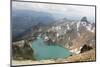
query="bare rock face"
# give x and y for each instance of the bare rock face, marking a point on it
(22, 50)
(84, 43)
(85, 48)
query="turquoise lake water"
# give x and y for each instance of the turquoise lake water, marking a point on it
(43, 51)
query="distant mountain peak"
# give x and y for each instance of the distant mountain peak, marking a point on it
(84, 19)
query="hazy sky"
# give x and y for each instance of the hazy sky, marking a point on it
(69, 10)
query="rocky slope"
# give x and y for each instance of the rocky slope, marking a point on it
(76, 35)
(72, 34)
(86, 56)
(22, 50)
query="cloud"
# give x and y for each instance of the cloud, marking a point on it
(57, 8)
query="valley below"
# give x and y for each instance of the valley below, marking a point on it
(62, 42)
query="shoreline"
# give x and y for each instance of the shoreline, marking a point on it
(82, 57)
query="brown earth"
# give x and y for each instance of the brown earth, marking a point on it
(86, 56)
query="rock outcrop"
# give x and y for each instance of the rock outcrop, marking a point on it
(85, 48)
(22, 50)
(83, 43)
